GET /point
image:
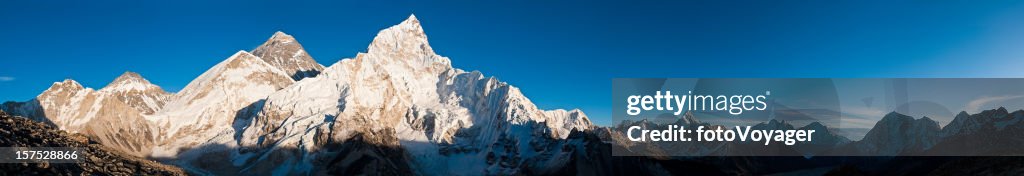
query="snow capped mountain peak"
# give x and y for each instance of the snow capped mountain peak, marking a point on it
(411, 23)
(128, 75)
(285, 53)
(61, 92)
(412, 17)
(136, 92)
(406, 38)
(280, 35)
(130, 81)
(67, 84)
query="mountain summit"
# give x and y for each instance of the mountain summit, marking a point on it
(406, 38)
(284, 52)
(129, 81)
(137, 92)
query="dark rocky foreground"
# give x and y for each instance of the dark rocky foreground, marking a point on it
(98, 160)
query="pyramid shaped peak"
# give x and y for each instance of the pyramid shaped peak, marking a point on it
(411, 19)
(67, 85)
(129, 75)
(411, 24)
(279, 33)
(277, 40)
(129, 81)
(285, 53)
(280, 36)
(68, 82)
(406, 38)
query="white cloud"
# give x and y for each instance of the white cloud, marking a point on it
(6, 78)
(975, 105)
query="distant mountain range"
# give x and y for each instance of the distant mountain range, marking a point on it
(399, 108)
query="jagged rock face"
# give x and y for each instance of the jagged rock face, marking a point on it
(285, 53)
(400, 91)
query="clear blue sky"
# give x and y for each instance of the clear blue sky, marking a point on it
(562, 54)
